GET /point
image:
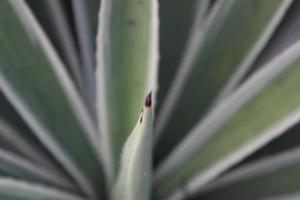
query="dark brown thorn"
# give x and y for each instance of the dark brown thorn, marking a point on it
(148, 100)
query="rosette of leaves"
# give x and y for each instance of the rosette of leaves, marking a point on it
(149, 99)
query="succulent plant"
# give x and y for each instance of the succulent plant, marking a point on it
(149, 99)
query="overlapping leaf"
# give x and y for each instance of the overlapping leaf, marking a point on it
(126, 68)
(34, 80)
(244, 122)
(135, 175)
(219, 53)
(272, 178)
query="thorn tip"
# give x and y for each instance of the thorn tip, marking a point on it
(148, 100)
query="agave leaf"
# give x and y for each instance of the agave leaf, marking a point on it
(35, 161)
(286, 141)
(15, 141)
(41, 12)
(270, 177)
(21, 158)
(16, 134)
(39, 88)
(93, 7)
(66, 38)
(79, 57)
(287, 33)
(86, 46)
(126, 69)
(290, 196)
(15, 165)
(12, 189)
(240, 125)
(215, 69)
(174, 31)
(134, 179)
(60, 31)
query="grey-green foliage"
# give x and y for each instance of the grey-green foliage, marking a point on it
(124, 51)
(212, 65)
(134, 179)
(280, 92)
(30, 82)
(74, 76)
(272, 176)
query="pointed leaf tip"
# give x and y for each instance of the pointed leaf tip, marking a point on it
(135, 172)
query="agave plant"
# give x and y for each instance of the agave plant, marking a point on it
(148, 99)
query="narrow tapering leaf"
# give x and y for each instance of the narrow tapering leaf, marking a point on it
(15, 165)
(14, 189)
(39, 88)
(55, 19)
(19, 137)
(288, 32)
(240, 125)
(134, 178)
(174, 33)
(218, 54)
(86, 45)
(271, 177)
(126, 68)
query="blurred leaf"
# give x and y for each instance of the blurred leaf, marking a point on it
(93, 7)
(290, 196)
(55, 18)
(22, 154)
(14, 165)
(223, 49)
(11, 189)
(63, 29)
(84, 21)
(15, 133)
(288, 140)
(71, 27)
(176, 18)
(43, 15)
(126, 68)
(272, 178)
(286, 34)
(134, 179)
(38, 87)
(24, 159)
(240, 125)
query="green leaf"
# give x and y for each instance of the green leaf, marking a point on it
(276, 177)
(84, 17)
(40, 89)
(174, 33)
(219, 54)
(93, 7)
(24, 159)
(16, 134)
(54, 18)
(15, 165)
(291, 196)
(135, 175)
(126, 69)
(244, 122)
(287, 33)
(76, 47)
(288, 140)
(12, 189)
